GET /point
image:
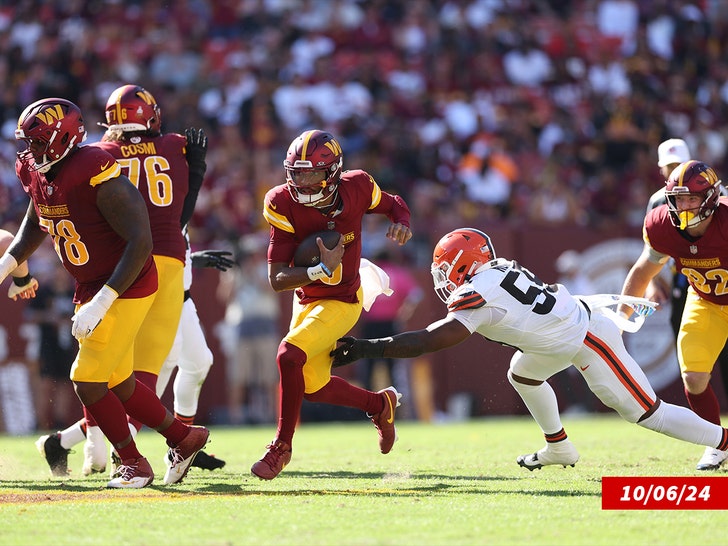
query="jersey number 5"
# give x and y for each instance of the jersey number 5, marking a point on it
(536, 288)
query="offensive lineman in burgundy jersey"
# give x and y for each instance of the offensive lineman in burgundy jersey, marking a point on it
(328, 297)
(156, 165)
(100, 230)
(692, 228)
(167, 169)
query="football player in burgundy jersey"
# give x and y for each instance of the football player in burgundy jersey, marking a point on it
(692, 228)
(318, 196)
(167, 169)
(100, 230)
(551, 330)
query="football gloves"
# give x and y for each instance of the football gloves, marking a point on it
(644, 309)
(196, 147)
(212, 258)
(196, 150)
(352, 349)
(23, 288)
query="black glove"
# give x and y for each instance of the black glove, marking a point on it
(196, 151)
(212, 258)
(196, 147)
(353, 349)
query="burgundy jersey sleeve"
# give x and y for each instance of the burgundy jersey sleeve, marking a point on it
(392, 206)
(157, 166)
(704, 261)
(84, 241)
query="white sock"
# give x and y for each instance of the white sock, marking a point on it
(72, 435)
(541, 402)
(681, 423)
(94, 450)
(187, 388)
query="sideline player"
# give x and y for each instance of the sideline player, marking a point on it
(551, 330)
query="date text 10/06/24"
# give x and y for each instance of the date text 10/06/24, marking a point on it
(664, 493)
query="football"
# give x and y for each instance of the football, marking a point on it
(307, 253)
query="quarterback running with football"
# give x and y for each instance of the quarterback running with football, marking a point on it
(550, 330)
(318, 196)
(692, 228)
(100, 229)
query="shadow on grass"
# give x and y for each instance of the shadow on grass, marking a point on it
(291, 484)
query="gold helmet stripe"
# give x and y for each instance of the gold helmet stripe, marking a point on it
(304, 148)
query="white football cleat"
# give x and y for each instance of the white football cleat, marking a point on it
(563, 453)
(712, 459)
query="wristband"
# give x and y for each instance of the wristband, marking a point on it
(317, 272)
(106, 296)
(22, 281)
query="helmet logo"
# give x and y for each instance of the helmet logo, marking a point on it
(51, 114)
(333, 146)
(146, 96)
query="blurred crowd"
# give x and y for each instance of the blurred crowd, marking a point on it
(548, 111)
(540, 111)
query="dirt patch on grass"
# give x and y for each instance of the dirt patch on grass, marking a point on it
(62, 496)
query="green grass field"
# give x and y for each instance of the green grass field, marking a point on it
(441, 484)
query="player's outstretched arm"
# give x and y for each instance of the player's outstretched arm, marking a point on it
(439, 335)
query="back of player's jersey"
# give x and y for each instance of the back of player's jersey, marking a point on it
(157, 166)
(522, 311)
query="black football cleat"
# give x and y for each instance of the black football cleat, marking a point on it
(207, 462)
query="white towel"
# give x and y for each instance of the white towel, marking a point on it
(642, 306)
(374, 281)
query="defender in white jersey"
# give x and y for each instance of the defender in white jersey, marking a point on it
(550, 330)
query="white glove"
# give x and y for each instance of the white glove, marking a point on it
(89, 315)
(14, 291)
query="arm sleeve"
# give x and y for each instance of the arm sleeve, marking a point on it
(197, 175)
(394, 207)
